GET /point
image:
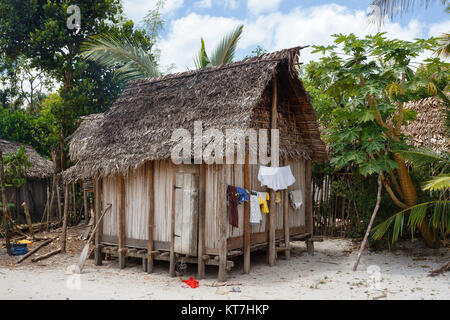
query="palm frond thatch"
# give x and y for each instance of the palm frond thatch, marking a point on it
(42, 168)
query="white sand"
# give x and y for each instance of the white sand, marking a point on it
(326, 275)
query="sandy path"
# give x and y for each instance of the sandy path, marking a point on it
(326, 275)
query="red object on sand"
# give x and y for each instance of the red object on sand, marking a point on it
(191, 283)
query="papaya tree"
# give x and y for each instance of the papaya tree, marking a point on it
(368, 81)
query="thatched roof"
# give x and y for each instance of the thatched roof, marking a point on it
(428, 130)
(42, 168)
(139, 125)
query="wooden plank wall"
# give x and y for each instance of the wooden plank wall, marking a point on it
(216, 175)
(234, 175)
(137, 203)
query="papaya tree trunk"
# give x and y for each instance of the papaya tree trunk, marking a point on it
(410, 199)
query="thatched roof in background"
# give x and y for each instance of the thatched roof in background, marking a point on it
(428, 130)
(139, 125)
(42, 168)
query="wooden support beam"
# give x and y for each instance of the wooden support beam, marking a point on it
(223, 232)
(271, 252)
(286, 224)
(247, 227)
(65, 218)
(97, 213)
(151, 217)
(172, 225)
(201, 222)
(122, 251)
(308, 207)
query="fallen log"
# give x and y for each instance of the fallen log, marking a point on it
(45, 256)
(444, 268)
(34, 250)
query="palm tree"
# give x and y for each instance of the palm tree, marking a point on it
(129, 59)
(390, 8)
(440, 219)
(224, 52)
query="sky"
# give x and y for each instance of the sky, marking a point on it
(274, 24)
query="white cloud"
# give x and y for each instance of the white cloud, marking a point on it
(437, 29)
(137, 9)
(230, 4)
(203, 4)
(274, 31)
(260, 6)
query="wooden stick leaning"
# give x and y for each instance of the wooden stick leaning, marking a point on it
(84, 254)
(375, 210)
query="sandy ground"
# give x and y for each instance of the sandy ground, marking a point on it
(399, 274)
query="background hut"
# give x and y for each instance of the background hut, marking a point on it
(34, 191)
(179, 213)
(428, 130)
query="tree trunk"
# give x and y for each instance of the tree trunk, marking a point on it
(5, 205)
(410, 198)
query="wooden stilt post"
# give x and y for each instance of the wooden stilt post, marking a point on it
(308, 208)
(97, 213)
(271, 252)
(247, 227)
(151, 217)
(28, 217)
(65, 218)
(201, 222)
(223, 224)
(172, 225)
(122, 250)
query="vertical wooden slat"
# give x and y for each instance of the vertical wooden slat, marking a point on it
(172, 225)
(286, 224)
(308, 207)
(201, 222)
(223, 234)
(98, 208)
(247, 227)
(151, 217)
(122, 252)
(274, 162)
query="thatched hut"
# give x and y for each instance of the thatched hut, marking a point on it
(34, 191)
(178, 213)
(428, 130)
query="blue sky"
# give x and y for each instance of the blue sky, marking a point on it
(274, 24)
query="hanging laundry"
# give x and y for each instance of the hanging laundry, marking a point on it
(232, 200)
(255, 209)
(296, 198)
(242, 195)
(263, 197)
(276, 178)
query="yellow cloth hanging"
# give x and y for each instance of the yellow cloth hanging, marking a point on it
(278, 200)
(263, 202)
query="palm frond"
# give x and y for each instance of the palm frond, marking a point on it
(127, 57)
(439, 183)
(444, 49)
(225, 51)
(391, 8)
(422, 157)
(440, 219)
(202, 59)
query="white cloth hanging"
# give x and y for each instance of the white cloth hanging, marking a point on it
(255, 210)
(276, 178)
(296, 197)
